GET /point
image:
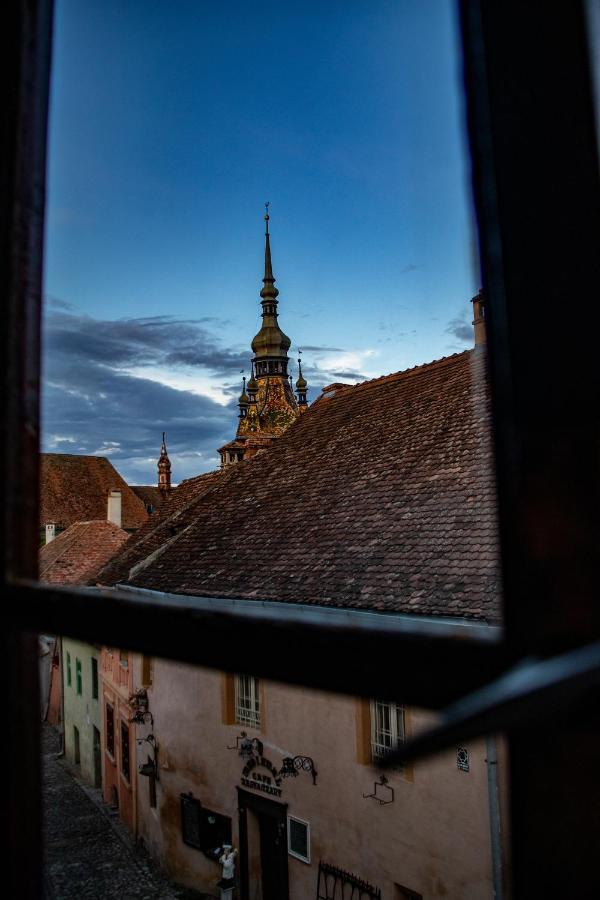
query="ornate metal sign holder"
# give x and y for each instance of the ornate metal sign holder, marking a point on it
(379, 795)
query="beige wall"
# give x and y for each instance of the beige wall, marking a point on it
(434, 838)
(81, 711)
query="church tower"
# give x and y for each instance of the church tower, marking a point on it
(267, 403)
(164, 470)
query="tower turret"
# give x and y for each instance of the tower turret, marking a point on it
(243, 401)
(267, 404)
(164, 469)
(270, 345)
(301, 388)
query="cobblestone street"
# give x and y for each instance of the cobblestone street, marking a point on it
(89, 855)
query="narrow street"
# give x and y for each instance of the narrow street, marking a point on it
(89, 855)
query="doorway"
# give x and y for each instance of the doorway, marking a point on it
(97, 759)
(263, 848)
(76, 746)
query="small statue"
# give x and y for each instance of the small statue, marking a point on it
(227, 860)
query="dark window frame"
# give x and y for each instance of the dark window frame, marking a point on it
(125, 742)
(535, 175)
(109, 719)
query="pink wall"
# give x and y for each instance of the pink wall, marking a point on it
(117, 680)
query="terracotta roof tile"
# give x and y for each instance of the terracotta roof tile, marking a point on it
(149, 494)
(75, 489)
(76, 554)
(382, 497)
(160, 527)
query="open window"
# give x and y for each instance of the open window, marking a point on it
(535, 171)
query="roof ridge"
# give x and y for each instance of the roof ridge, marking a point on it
(412, 370)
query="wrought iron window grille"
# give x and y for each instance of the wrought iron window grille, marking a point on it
(338, 884)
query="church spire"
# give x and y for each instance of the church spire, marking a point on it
(269, 290)
(270, 345)
(164, 469)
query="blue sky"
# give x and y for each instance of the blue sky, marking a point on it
(171, 124)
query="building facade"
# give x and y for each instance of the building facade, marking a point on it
(82, 708)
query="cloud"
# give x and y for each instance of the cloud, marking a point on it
(110, 387)
(92, 402)
(460, 329)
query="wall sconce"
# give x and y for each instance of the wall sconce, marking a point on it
(291, 765)
(150, 768)
(247, 747)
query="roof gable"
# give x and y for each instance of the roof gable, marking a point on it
(75, 488)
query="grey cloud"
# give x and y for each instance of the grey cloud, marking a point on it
(460, 329)
(89, 405)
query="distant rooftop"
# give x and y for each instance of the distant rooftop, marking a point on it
(76, 554)
(75, 489)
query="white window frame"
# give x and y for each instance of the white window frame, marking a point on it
(247, 701)
(304, 859)
(386, 734)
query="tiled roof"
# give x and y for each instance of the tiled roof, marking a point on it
(382, 497)
(76, 554)
(160, 527)
(149, 494)
(75, 489)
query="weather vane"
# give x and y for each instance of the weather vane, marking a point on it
(267, 205)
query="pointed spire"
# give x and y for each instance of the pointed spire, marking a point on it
(301, 386)
(164, 469)
(243, 401)
(269, 291)
(252, 385)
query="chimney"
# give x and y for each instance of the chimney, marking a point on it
(50, 533)
(478, 302)
(114, 508)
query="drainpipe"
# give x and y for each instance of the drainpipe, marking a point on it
(495, 832)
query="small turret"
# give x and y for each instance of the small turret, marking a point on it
(301, 388)
(252, 386)
(243, 401)
(164, 469)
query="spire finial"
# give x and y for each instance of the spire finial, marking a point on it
(269, 292)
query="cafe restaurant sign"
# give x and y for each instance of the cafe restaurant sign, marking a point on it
(260, 774)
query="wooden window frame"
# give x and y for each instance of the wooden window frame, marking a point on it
(247, 716)
(95, 677)
(397, 734)
(125, 750)
(78, 677)
(532, 134)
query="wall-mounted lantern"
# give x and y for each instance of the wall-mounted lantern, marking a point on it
(139, 703)
(247, 747)
(150, 768)
(292, 765)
